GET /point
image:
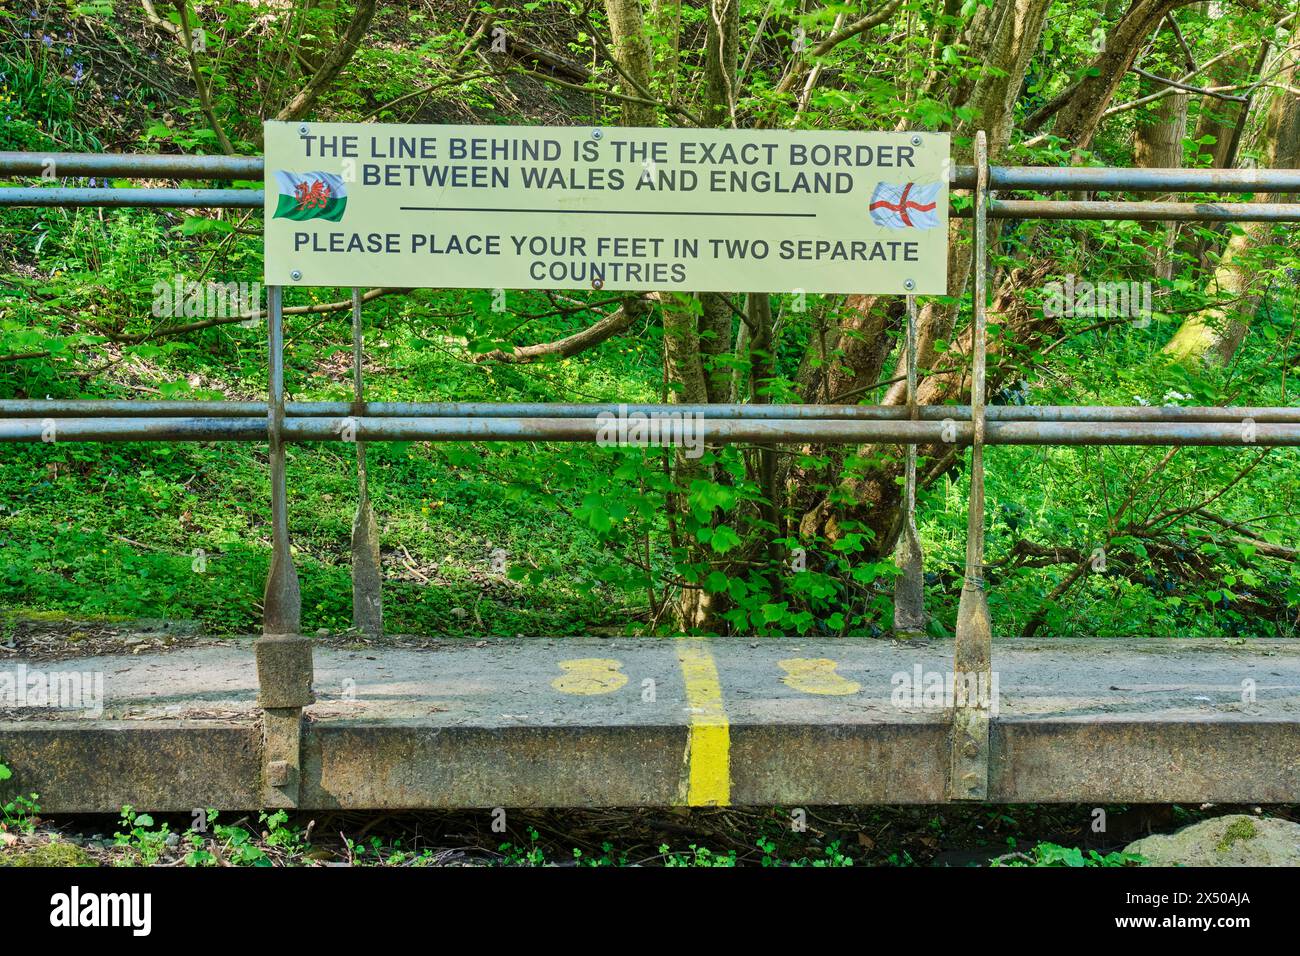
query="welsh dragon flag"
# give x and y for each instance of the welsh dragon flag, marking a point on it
(310, 196)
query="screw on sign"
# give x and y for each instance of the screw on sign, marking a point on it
(905, 205)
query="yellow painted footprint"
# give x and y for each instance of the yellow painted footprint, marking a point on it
(816, 676)
(590, 675)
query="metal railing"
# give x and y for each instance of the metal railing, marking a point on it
(278, 421)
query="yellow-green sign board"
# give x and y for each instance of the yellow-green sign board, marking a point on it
(490, 207)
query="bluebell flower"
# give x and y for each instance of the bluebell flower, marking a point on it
(47, 39)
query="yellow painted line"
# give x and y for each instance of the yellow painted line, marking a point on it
(588, 676)
(708, 743)
(816, 676)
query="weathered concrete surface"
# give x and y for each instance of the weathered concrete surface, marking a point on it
(1233, 840)
(99, 766)
(588, 721)
(284, 671)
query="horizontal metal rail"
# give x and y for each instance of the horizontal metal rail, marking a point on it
(677, 431)
(55, 408)
(1144, 211)
(1137, 179)
(70, 198)
(138, 198)
(131, 166)
(1039, 178)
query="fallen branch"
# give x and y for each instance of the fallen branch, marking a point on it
(22, 356)
(151, 14)
(617, 321)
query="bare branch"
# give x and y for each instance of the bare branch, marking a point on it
(1200, 90)
(314, 309)
(333, 64)
(205, 96)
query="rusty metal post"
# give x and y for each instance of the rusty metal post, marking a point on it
(972, 650)
(909, 587)
(367, 577)
(284, 658)
(282, 609)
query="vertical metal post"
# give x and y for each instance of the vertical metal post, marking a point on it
(367, 578)
(284, 658)
(282, 609)
(909, 587)
(972, 651)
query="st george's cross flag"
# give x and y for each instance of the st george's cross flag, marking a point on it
(310, 196)
(905, 205)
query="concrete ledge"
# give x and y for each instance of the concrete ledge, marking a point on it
(96, 768)
(1120, 760)
(408, 766)
(638, 722)
(847, 764)
(99, 766)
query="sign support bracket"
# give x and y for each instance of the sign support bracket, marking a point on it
(367, 574)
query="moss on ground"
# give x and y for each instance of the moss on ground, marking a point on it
(54, 853)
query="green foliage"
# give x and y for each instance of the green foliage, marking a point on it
(235, 845)
(1051, 854)
(20, 812)
(38, 102)
(144, 844)
(697, 856)
(598, 537)
(529, 855)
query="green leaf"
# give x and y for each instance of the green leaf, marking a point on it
(199, 225)
(716, 582)
(724, 539)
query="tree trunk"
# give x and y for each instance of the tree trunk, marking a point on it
(1158, 143)
(631, 49)
(720, 61)
(1213, 334)
(1009, 36)
(1221, 122)
(696, 337)
(1079, 109)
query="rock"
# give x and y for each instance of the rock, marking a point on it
(1233, 840)
(322, 632)
(173, 839)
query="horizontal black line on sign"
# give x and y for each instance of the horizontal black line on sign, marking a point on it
(612, 212)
